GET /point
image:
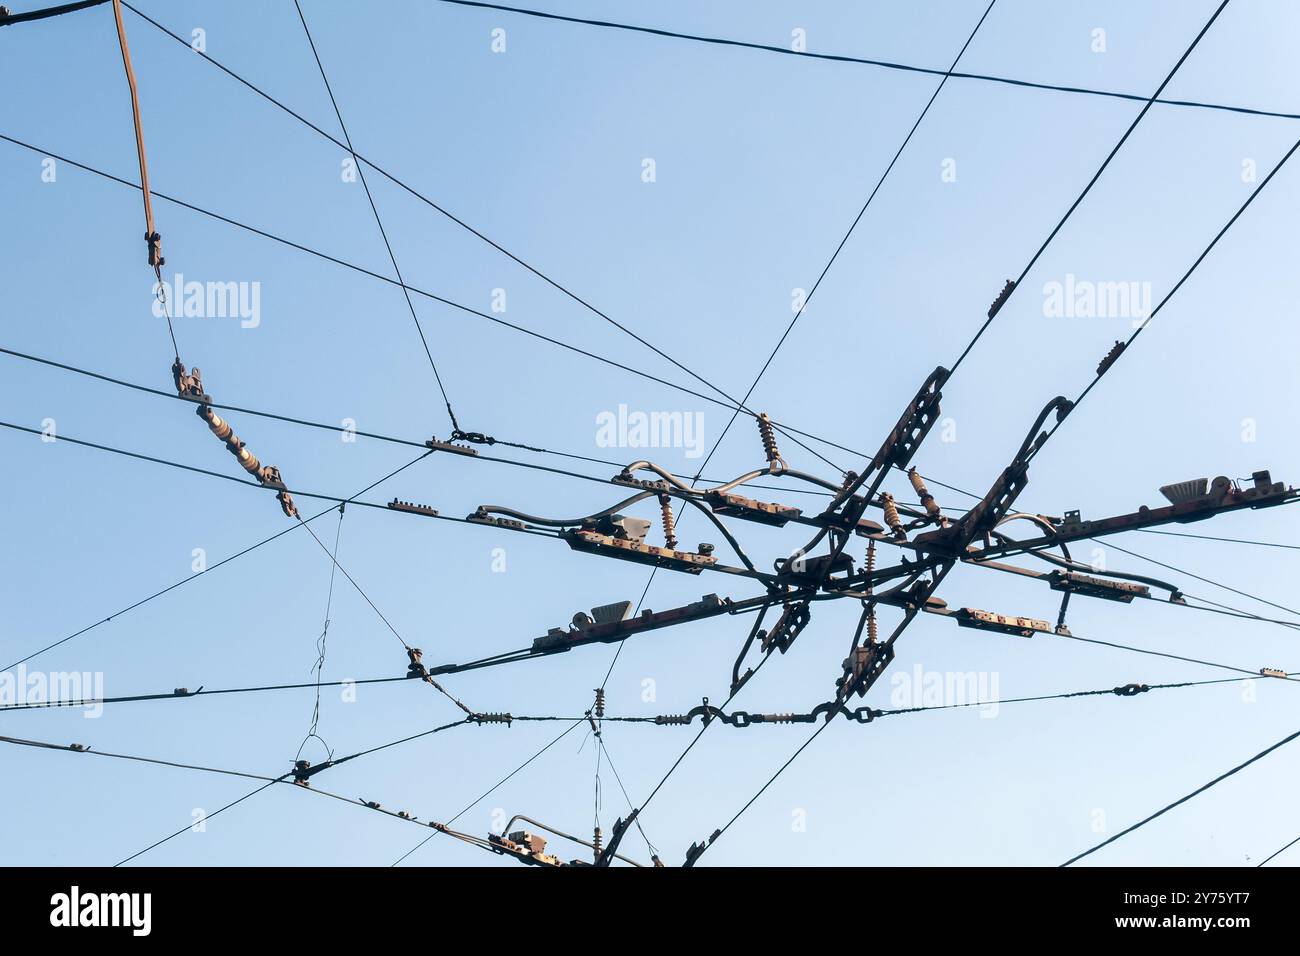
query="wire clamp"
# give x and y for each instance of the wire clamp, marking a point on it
(189, 384)
(474, 438)
(416, 667)
(696, 849)
(156, 259)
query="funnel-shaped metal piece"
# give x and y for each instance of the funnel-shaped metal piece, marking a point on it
(1185, 490)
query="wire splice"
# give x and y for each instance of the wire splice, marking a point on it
(1112, 357)
(1002, 298)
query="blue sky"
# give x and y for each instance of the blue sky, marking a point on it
(761, 162)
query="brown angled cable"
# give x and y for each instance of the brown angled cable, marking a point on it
(135, 110)
(151, 235)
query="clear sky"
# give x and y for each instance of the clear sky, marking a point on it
(761, 162)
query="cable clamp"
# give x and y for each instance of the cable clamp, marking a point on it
(474, 438)
(189, 384)
(303, 771)
(416, 667)
(696, 849)
(155, 250)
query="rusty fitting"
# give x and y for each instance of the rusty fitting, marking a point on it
(189, 383)
(927, 500)
(891, 515)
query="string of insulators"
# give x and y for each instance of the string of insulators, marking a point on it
(768, 434)
(596, 842)
(266, 475)
(665, 720)
(891, 515)
(494, 718)
(927, 500)
(600, 702)
(670, 523)
(871, 608)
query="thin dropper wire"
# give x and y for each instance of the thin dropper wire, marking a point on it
(491, 789)
(212, 567)
(854, 225)
(361, 174)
